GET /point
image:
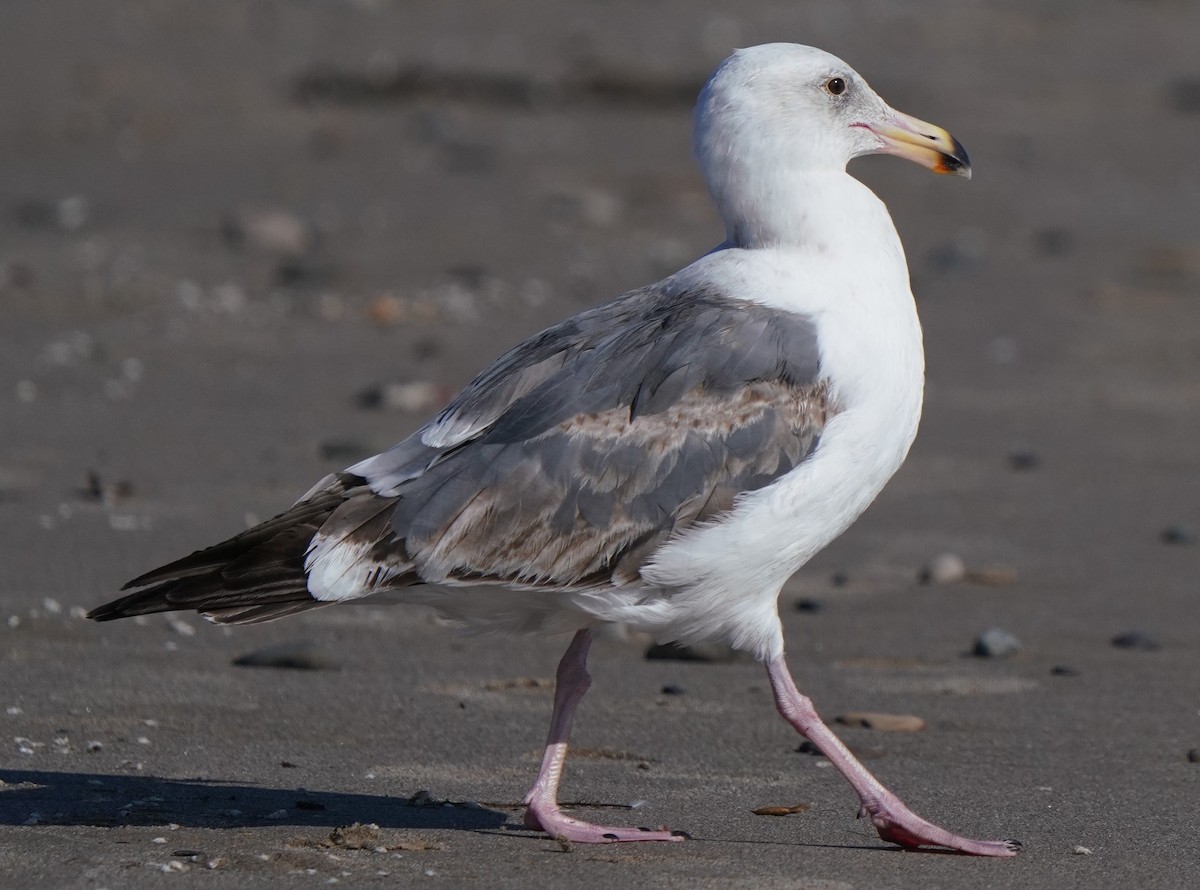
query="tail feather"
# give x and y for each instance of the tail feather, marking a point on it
(313, 511)
(206, 595)
(254, 576)
(259, 614)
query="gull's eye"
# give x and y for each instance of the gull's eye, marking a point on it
(835, 86)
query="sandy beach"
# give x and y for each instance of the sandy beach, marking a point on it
(244, 244)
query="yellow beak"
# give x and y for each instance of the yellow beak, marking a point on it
(926, 144)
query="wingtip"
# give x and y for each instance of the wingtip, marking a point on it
(103, 613)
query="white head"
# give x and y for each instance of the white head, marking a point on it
(774, 113)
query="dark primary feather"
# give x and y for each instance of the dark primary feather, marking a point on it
(566, 463)
(254, 576)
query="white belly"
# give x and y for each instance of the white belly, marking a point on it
(723, 581)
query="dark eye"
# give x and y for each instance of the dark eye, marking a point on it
(835, 86)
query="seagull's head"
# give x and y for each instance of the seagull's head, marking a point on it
(784, 107)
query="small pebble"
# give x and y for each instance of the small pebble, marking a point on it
(1053, 242)
(387, 310)
(595, 207)
(1178, 534)
(672, 689)
(270, 231)
(1137, 639)
(1003, 350)
(1062, 670)
(1023, 459)
(228, 298)
(100, 490)
(94, 746)
(946, 568)
(16, 274)
(992, 576)
(1193, 755)
(72, 213)
(995, 642)
(27, 745)
(27, 391)
(128, 522)
(881, 722)
(809, 605)
(1079, 850)
(301, 656)
(1183, 95)
(296, 272)
(413, 396)
(780, 811)
(962, 253)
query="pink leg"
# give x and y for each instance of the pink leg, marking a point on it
(892, 819)
(542, 801)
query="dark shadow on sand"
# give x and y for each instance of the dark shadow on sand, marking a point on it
(35, 797)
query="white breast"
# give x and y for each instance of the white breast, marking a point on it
(722, 581)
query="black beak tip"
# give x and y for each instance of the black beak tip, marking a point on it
(956, 162)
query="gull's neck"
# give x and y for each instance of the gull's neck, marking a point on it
(826, 211)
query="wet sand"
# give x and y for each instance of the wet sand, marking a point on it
(242, 244)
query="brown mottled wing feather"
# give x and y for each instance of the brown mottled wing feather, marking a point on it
(578, 453)
(591, 499)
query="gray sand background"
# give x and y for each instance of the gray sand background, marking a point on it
(243, 243)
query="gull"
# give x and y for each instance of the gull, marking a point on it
(666, 460)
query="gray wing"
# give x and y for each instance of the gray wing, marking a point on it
(565, 464)
(579, 452)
